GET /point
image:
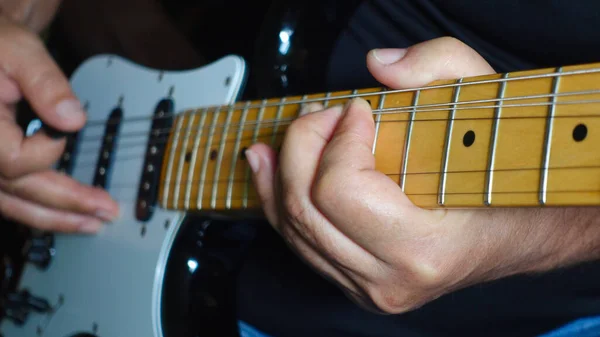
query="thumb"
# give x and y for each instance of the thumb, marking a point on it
(27, 64)
(439, 59)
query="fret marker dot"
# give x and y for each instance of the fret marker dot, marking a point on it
(188, 157)
(213, 154)
(580, 132)
(243, 153)
(469, 138)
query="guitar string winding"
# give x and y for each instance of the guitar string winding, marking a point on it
(386, 111)
(175, 182)
(89, 150)
(366, 94)
(186, 181)
(432, 194)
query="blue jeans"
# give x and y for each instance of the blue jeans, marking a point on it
(585, 327)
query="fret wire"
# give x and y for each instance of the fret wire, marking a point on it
(254, 138)
(304, 98)
(548, 140)
(378, 122)
(409, 129)
(186, 139)
(327, 99)
(215, 188)
(277, 122)
(192, 168)
(207, 158)
(172, 159)
(234, 160)
(492, 151)
(446, 158)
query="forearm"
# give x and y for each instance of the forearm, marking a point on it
(539, 240)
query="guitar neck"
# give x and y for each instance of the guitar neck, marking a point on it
(507, 140)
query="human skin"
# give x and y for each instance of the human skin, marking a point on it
(354, 226)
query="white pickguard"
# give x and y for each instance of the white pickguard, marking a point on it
(112, 282)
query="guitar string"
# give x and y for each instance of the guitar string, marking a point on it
(409, 108)
(432, 194)
(175, 182)
(412, 108)
(286, 121)
(365, 94)
(85, 151)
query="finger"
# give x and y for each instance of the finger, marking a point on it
(301, 150)
(310, 108)
(46, 219)
(325, 267)
(262, 160)
(20, 155)
(348, 190)
(301, 153)
(57, 191)
(25, 60)
(351, 284)
(42, 14)
(439, 59)
(9, 90)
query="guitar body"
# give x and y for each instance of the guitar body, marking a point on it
(110, 284)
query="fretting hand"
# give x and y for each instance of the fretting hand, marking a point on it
(355, 226)
(31, 193)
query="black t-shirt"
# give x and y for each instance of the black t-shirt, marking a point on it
(510, 34)
(282, 297)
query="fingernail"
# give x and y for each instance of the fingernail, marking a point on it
(106, 215)
(90, 226)
(69, 109)
(253, 160)
(309, 108)
(389, 56)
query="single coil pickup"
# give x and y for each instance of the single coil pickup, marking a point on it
(66, 161)
(148, 186)
(106, 154)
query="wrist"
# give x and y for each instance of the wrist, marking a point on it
(532, 241)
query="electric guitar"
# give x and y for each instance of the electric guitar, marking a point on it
(168, 144)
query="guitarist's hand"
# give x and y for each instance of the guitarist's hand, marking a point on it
(35, 14)
(30, 193)
(355, 226)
